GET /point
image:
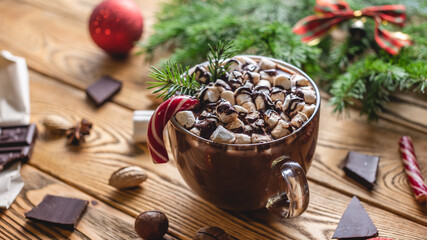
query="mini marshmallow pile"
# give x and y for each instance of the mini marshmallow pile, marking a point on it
(253, 103)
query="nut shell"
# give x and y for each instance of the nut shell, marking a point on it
(211, 233)
(151, 225)
(127, 177)
(57, 124)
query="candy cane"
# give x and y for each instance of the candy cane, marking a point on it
(158, 122)
(412, 169)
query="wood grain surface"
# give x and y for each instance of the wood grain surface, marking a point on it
(53, 37)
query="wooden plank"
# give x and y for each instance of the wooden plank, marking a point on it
(68, 54)
(110, 147)
(62, 48)
(100, 221)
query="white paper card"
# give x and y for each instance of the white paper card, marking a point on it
(11, 185)
(14, 90)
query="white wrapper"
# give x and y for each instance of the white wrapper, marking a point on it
(14, 90)
(140, 124)
(11, 185)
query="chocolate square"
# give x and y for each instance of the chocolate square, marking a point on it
(355, 223)
(18, 135)
(103, 89)
(362, 168)
(10, 155)
(60, 211)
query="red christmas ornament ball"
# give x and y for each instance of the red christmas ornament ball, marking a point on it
(115, 25)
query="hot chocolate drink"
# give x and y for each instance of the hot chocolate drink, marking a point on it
(253, 102)
(251, 137)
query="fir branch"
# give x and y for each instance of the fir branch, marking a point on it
(173, 80)
(216, 57)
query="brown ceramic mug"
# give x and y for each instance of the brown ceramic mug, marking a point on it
(250, 176)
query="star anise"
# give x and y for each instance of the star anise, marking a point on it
(77, 134)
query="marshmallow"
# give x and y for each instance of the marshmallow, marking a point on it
(211, 94)
(277, 94)
(240, 109)
(185, 118)
(271, 117)
(235, 75)
(252, 68)
(228, 96)
(283, 81)
(201, 75)
(260, 102)
(251, 117)
(243, 94)
(222, 85)
(249, 106)
(299, 119)
(266, 64)
(235, 65)
(252, 76)
(226, 112)
(242, 138)
(235, 83)
(266, 76)
(248, 129)
(236, 126)
(281, 130)
(195, 131)
(285, 117)
(308, 109)
(260, 138)
(309, 95)
(245, 60)
(299, 80)
(222, 135)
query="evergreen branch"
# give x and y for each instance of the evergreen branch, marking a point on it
(173, 80)
(216, 57)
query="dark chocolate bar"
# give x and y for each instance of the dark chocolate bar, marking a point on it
(362, 168)
(18, 135)
(61, 211)
(103, 89)
(16, 143)
(10, 155)
(355, 223)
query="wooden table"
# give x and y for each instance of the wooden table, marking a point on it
(63, 61)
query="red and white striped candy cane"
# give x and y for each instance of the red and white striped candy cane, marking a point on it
(412, 169)
(158, 122)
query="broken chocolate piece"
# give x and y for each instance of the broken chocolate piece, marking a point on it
(18, 135)
(10, 155)
(355, 223)
(16, 143)
(61, 211)
(362, 168)
(103, 89)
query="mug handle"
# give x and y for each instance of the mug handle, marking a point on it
(292, 194)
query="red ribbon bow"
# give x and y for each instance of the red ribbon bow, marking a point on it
(332, 13)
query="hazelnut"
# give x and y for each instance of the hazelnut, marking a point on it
(151, 225)
(211, 233)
